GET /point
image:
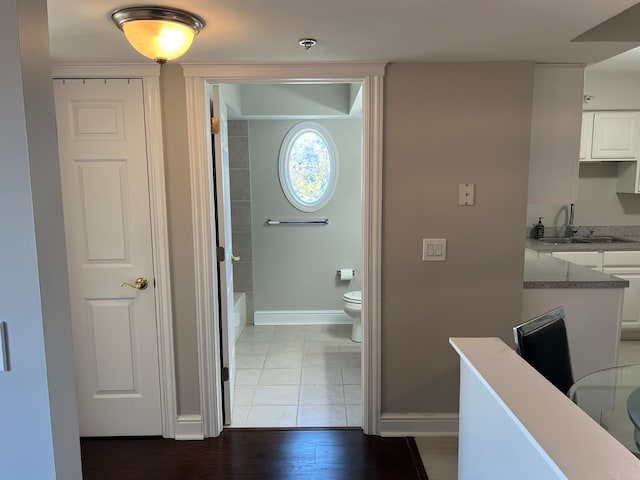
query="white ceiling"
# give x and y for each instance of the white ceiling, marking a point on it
(625, 62)
(240, 31)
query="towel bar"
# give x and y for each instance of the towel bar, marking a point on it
(324, 221)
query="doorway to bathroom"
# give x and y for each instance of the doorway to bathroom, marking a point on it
(198, 82)
(288, 176)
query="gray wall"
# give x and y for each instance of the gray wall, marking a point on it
(597, 204)
(240, 182)
(180, 225)
(39, 437)
(294, 267)
(447, 124)
(439, 132)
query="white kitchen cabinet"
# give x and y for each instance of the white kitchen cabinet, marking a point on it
(610, 136)
(586, 136)
(586, 259)
(622, 264)
(626, 265)
(556, 116)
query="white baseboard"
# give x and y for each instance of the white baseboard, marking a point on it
(189, 427)
(300, 317)
(419, 424)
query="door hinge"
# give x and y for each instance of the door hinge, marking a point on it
(220, 254)
(225, 374)
(215, 125)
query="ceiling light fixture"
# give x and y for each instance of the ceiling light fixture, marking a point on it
(158, 33)
(307, 43)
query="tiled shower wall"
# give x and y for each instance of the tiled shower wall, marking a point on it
(239, 179)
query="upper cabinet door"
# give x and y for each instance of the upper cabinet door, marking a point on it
(586, 135)
(615, 135)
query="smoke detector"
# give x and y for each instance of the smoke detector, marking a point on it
(307, 43)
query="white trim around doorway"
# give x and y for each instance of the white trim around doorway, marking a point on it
(197, 78)
(150, 75)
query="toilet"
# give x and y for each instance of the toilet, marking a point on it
(353, 307)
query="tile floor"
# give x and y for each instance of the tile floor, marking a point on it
(629, 352)
(297, 376)
(440, 454)
(439, 457)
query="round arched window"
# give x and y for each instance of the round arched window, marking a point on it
(308, 166)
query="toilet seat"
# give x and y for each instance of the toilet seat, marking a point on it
(353, 297)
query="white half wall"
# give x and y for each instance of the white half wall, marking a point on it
(516, 424)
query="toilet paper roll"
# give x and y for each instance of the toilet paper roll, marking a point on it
(345, 274)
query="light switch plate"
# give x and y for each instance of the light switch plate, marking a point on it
(466, 194)
(4, 348)
(434, 249)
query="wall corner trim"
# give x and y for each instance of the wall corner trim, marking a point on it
(270, 72)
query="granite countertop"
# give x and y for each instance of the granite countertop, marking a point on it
(544, 271)
(628, 232)
(545, 246)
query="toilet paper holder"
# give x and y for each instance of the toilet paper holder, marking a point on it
(339, 272)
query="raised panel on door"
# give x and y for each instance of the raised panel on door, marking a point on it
(615, 135)
(103, 167)
(102, 188)
(112, 331)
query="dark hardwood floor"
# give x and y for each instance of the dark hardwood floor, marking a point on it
(265, 454)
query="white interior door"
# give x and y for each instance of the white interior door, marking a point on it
(225, 267)
(103, 163)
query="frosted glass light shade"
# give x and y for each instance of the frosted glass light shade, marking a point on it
(158, 33)
(159, 40)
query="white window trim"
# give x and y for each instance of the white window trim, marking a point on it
(283, 163)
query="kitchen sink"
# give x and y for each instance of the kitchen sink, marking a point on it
(594, 239)
(607, 239)
(557, 240)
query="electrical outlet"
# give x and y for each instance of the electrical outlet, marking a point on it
(466, 194)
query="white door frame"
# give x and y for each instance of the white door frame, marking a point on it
(150, 76)
(196, 78)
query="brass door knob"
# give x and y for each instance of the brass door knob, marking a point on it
(140, 284)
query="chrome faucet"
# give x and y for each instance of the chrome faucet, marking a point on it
(571, 228)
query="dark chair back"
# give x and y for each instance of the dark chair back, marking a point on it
(542, 342)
